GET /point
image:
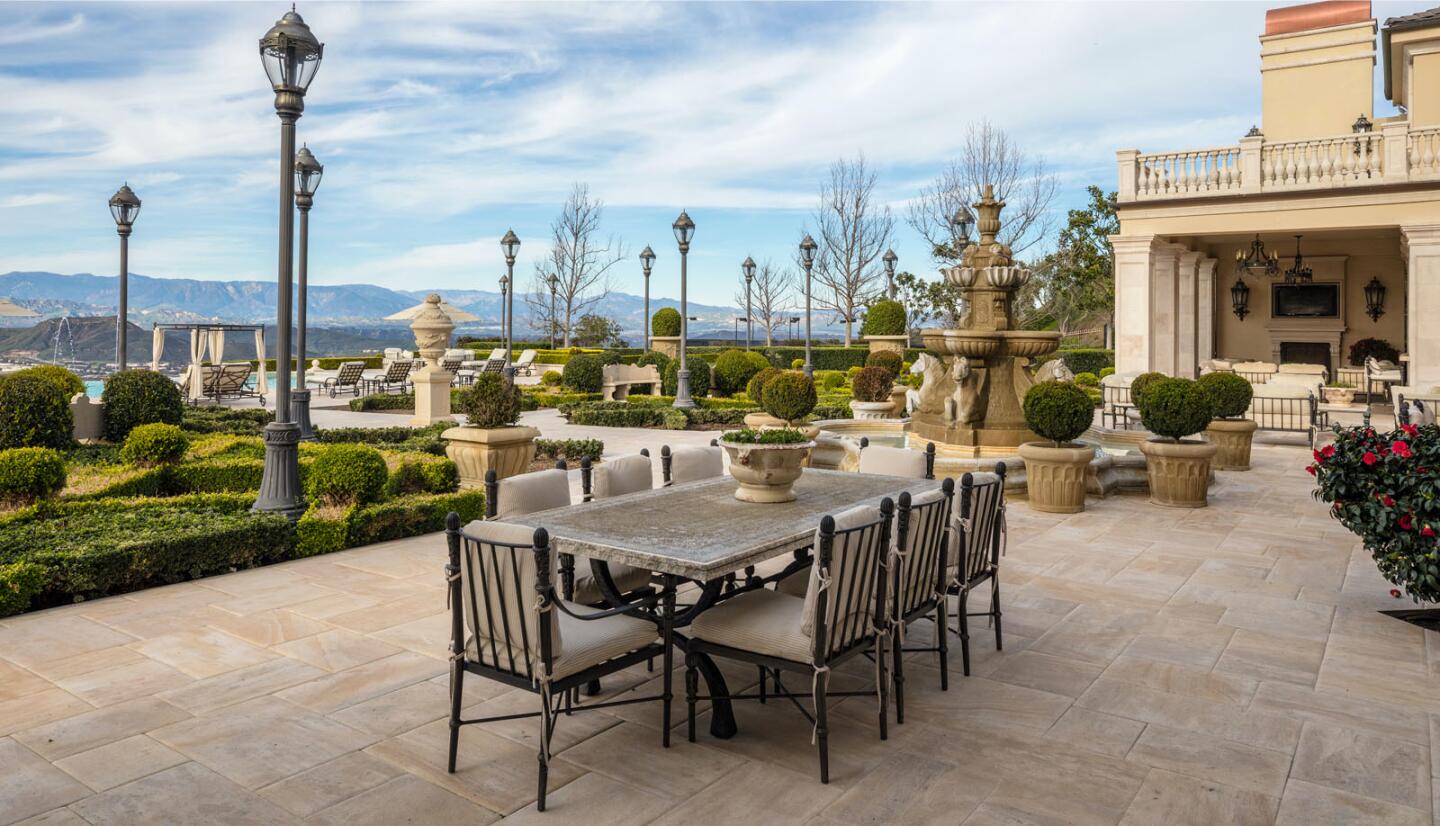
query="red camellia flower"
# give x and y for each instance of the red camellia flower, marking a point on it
(1369, 458)
(1327, 451)
(1395, 592)
(1410, 429)
(1427, 531)
(1401, 449)
(1310, 469)
(1405, 522)
(1315, 454)
(1387, 501)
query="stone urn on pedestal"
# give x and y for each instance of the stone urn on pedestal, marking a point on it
(432, 328)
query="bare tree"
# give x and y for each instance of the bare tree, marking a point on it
(770, 295)
(580, 263)
(853, 236)
(989, 155)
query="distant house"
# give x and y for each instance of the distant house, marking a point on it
(1364, 192)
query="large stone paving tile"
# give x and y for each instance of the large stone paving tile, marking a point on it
(404, 799)
(333, 692)
(754, 793)
(92, 729)
(909, 789)
(240, 685)
(1222, 761)
(29, 785)
(1179, 800)
(594, 800)
(39, 638)
(122, 761)
(39, 708)
(190, 794)
(1310, 804)
(203, 653)
(336, 649)
(329, 783)
(633, 754)
(1183, 711)
(1364, 764)
(107, 686)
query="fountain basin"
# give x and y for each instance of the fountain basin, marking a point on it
(984, 344)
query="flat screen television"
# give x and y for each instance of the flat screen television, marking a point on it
(1305, 300)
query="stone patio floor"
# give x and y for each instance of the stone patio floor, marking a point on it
(1225, 665)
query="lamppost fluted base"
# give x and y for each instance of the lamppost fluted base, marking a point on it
(300, 413)
(808, 370)
(280, 490)
(682, 390)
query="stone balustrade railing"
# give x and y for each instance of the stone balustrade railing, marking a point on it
(1392, 154)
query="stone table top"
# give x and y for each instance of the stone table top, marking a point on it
(700, 530)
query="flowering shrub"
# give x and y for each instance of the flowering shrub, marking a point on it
(1385, 488)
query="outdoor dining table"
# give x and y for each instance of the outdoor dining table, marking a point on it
(700, 532)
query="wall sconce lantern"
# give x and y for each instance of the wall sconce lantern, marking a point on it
(1240, 299)
(1375, 299)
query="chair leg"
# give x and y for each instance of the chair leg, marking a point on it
(899, 676)
(883, 686)
(692, 681)
(943, 632)
(995, 610)
(763, 677)
(965, 630)
(592, 688)
(822, 730)
(457, 682)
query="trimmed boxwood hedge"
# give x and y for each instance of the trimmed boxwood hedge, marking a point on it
(136, 397)
(1086, 359)
(324, 530)
(34, 412)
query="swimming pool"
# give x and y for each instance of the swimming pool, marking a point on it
(94, 387)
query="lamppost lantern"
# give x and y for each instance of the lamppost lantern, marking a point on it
(647, 260)
(1375, 299)
(1361, 125)
(749, 269)
(890, 258)
(684, 231)
(308, 171)
(511, 245)
(807, 258)
(807, 250)
(962, 221)
(307, 174)
(1240, 299)
(554, 282)
(290, 54)
(124, 208)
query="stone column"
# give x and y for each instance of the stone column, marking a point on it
(1205, 308)
(1187, 309)
(1250, 167)
(432, 329)
(1134, 257)
(1164, 309)
(1421, 248)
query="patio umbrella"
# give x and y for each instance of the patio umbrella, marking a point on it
(456, 314)
(9, 309)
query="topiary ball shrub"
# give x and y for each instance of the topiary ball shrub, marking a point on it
(660, 360)
(872, 384)
(1229, 394)
(34, 412)
(1087, 379)
(490, 402)
(1058, 411)
(797, 364)
(1107, 371)
(28, 474)
(584, 373)
(609, 357)
(1141, 382)
(1381, 349)
(1175, 408)
(734, 368)
(755, 388)
(136, 397)
(68, 382)
(699, 378)
(789, 396)
(884, 318)
(829, 380)
(19, 583)
(552, 378)
(347, 474)
(887, 359)
(665, 323)
(153, 445)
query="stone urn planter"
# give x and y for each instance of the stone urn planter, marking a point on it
(1055, 475)
(1231, 438)
(1339, 395)
(667, 345)
(872, 410)
(891, 344)
(766, 473)
(1179, 472)
(506, 450)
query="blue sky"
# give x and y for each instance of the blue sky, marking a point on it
(442, 125)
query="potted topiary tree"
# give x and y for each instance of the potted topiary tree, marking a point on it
(755, 389)
(1055, 470)
(767, 462)
(1339, 392)
(1230, 433)
(1178, 468)
(490, 439)
(665, 332)
(894, 362)
(884, 327)
(871, 387)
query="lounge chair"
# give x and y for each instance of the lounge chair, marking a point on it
(525, 365)
(396, 379)
(209, 374)
(233, 382)
(349, 378)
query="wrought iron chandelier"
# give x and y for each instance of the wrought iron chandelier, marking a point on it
(1298, 272)
(1257, 261)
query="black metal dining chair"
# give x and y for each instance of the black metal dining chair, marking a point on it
(979, 541)
(842, 616)
(508, 624)
(919, 579)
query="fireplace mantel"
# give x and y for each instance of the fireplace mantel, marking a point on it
(1326, 331)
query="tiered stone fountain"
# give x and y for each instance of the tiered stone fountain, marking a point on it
(970, 401)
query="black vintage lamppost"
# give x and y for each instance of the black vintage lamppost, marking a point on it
(647, 260)
(684, 231)
(291, 56)
(504, 321)
(554, 287)
(511, 245)
(124, 207)
(807, 258)
(1240, 298)
(890, 258)
(307, 180)
(1375, 299)
(749, 269)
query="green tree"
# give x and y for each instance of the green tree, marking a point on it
(928, 302)
(1074, 286)
(593, 330)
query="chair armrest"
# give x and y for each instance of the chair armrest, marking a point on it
(644, 602)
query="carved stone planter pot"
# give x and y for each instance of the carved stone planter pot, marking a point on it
(1056, 475)
(506, 450)
(1179, 472)
(1232, 438)
(888, 344)
(668, 345)
(766, 473)
(872, 410)
(1339, 395)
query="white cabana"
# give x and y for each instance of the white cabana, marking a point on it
(211, 338)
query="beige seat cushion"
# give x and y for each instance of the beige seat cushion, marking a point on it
(892, 461)
(531, 492)
(762, 621)
(627, 474)
(627, 578)
(691, 464)
(976, 541)
(1302, 369)
(501, 611)
(587, 642)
